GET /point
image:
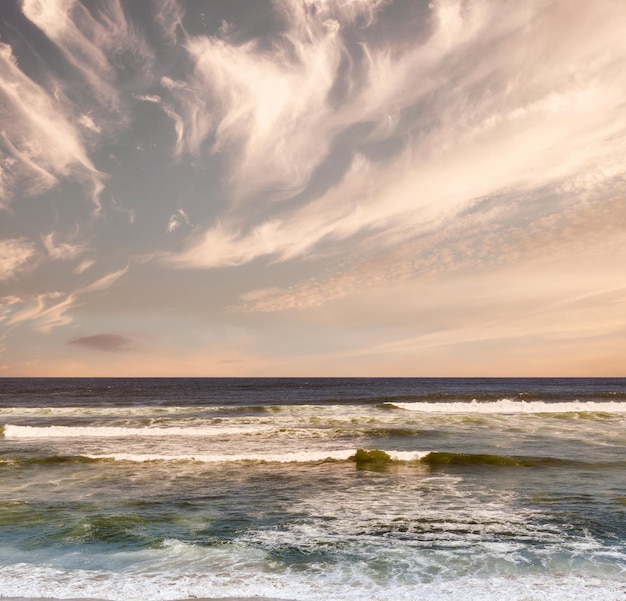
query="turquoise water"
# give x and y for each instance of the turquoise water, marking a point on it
(171, 489)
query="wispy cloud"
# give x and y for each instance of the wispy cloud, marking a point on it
(15, 255)
(86, 121)
(84, 265)
(50, 310)
(89, 39)
(151, 98)
(244, 99)
(411, 173)
(46, 311)
(62, 250)
(506, 118)
(129, 212)
(482, 242)
(104, 282)
(169, 15)
(39, 142)
(53, 123)
(6, 306)
(176, 220)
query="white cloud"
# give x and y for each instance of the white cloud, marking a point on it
(88, 37)
(485, 111)
(6, 306)
(84, 266)
(50, 124)
(61, 250)
(5, 182)
(39, 142)
(87, 122)
(104, 282)
(169, 15)
(491, 135)
(267, 111)
(474, 245)
(15, 255)
(45, 311)
(50, 310)
(176, 220)
(151, 98)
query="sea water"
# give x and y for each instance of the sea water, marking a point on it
(313, 489)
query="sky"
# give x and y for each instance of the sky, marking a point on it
(312, 188)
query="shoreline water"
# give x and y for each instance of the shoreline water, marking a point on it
(2, 598)
(564, 588)
(161, 490)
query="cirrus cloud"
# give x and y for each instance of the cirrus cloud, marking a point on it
(497, 127)
(15, 255)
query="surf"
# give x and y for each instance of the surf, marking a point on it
(511, 406)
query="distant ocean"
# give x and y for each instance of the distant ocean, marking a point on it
(313, 489)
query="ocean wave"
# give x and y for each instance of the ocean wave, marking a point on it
(362, 458)
(512, 406)
(288, 457)
(442, 459)
(314, 428)
(309, 456)
(249, 581)
(23, 461)
(14, 431)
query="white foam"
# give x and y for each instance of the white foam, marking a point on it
(509, 406)
(24, 580)
(407, 455)
(293, 457)
(13, 431)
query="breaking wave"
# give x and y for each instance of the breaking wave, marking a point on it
(510, 406)
(13, 431)
(361, 457)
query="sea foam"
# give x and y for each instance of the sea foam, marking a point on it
(41, 582)
(509, 406)
(14, 431)
(293, 457)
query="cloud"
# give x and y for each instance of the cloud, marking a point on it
(479, 243)
(169, 15)
(61, 250)
(88, 38)
(84, 50)
(87, 122)
(292, 236)
(104, 282)
(131, 214)
(244, 99)
(151, 98)
(176, 220)
(479, 106)
(6, 306)
(84, 266)
(78, 102)
(15, 255)
(39, 143)
(46, 311)
(49, 310)
(352, 167)
(112, 343)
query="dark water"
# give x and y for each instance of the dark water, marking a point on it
(79, 392)
(313, 488)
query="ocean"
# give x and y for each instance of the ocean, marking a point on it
(326, 489)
